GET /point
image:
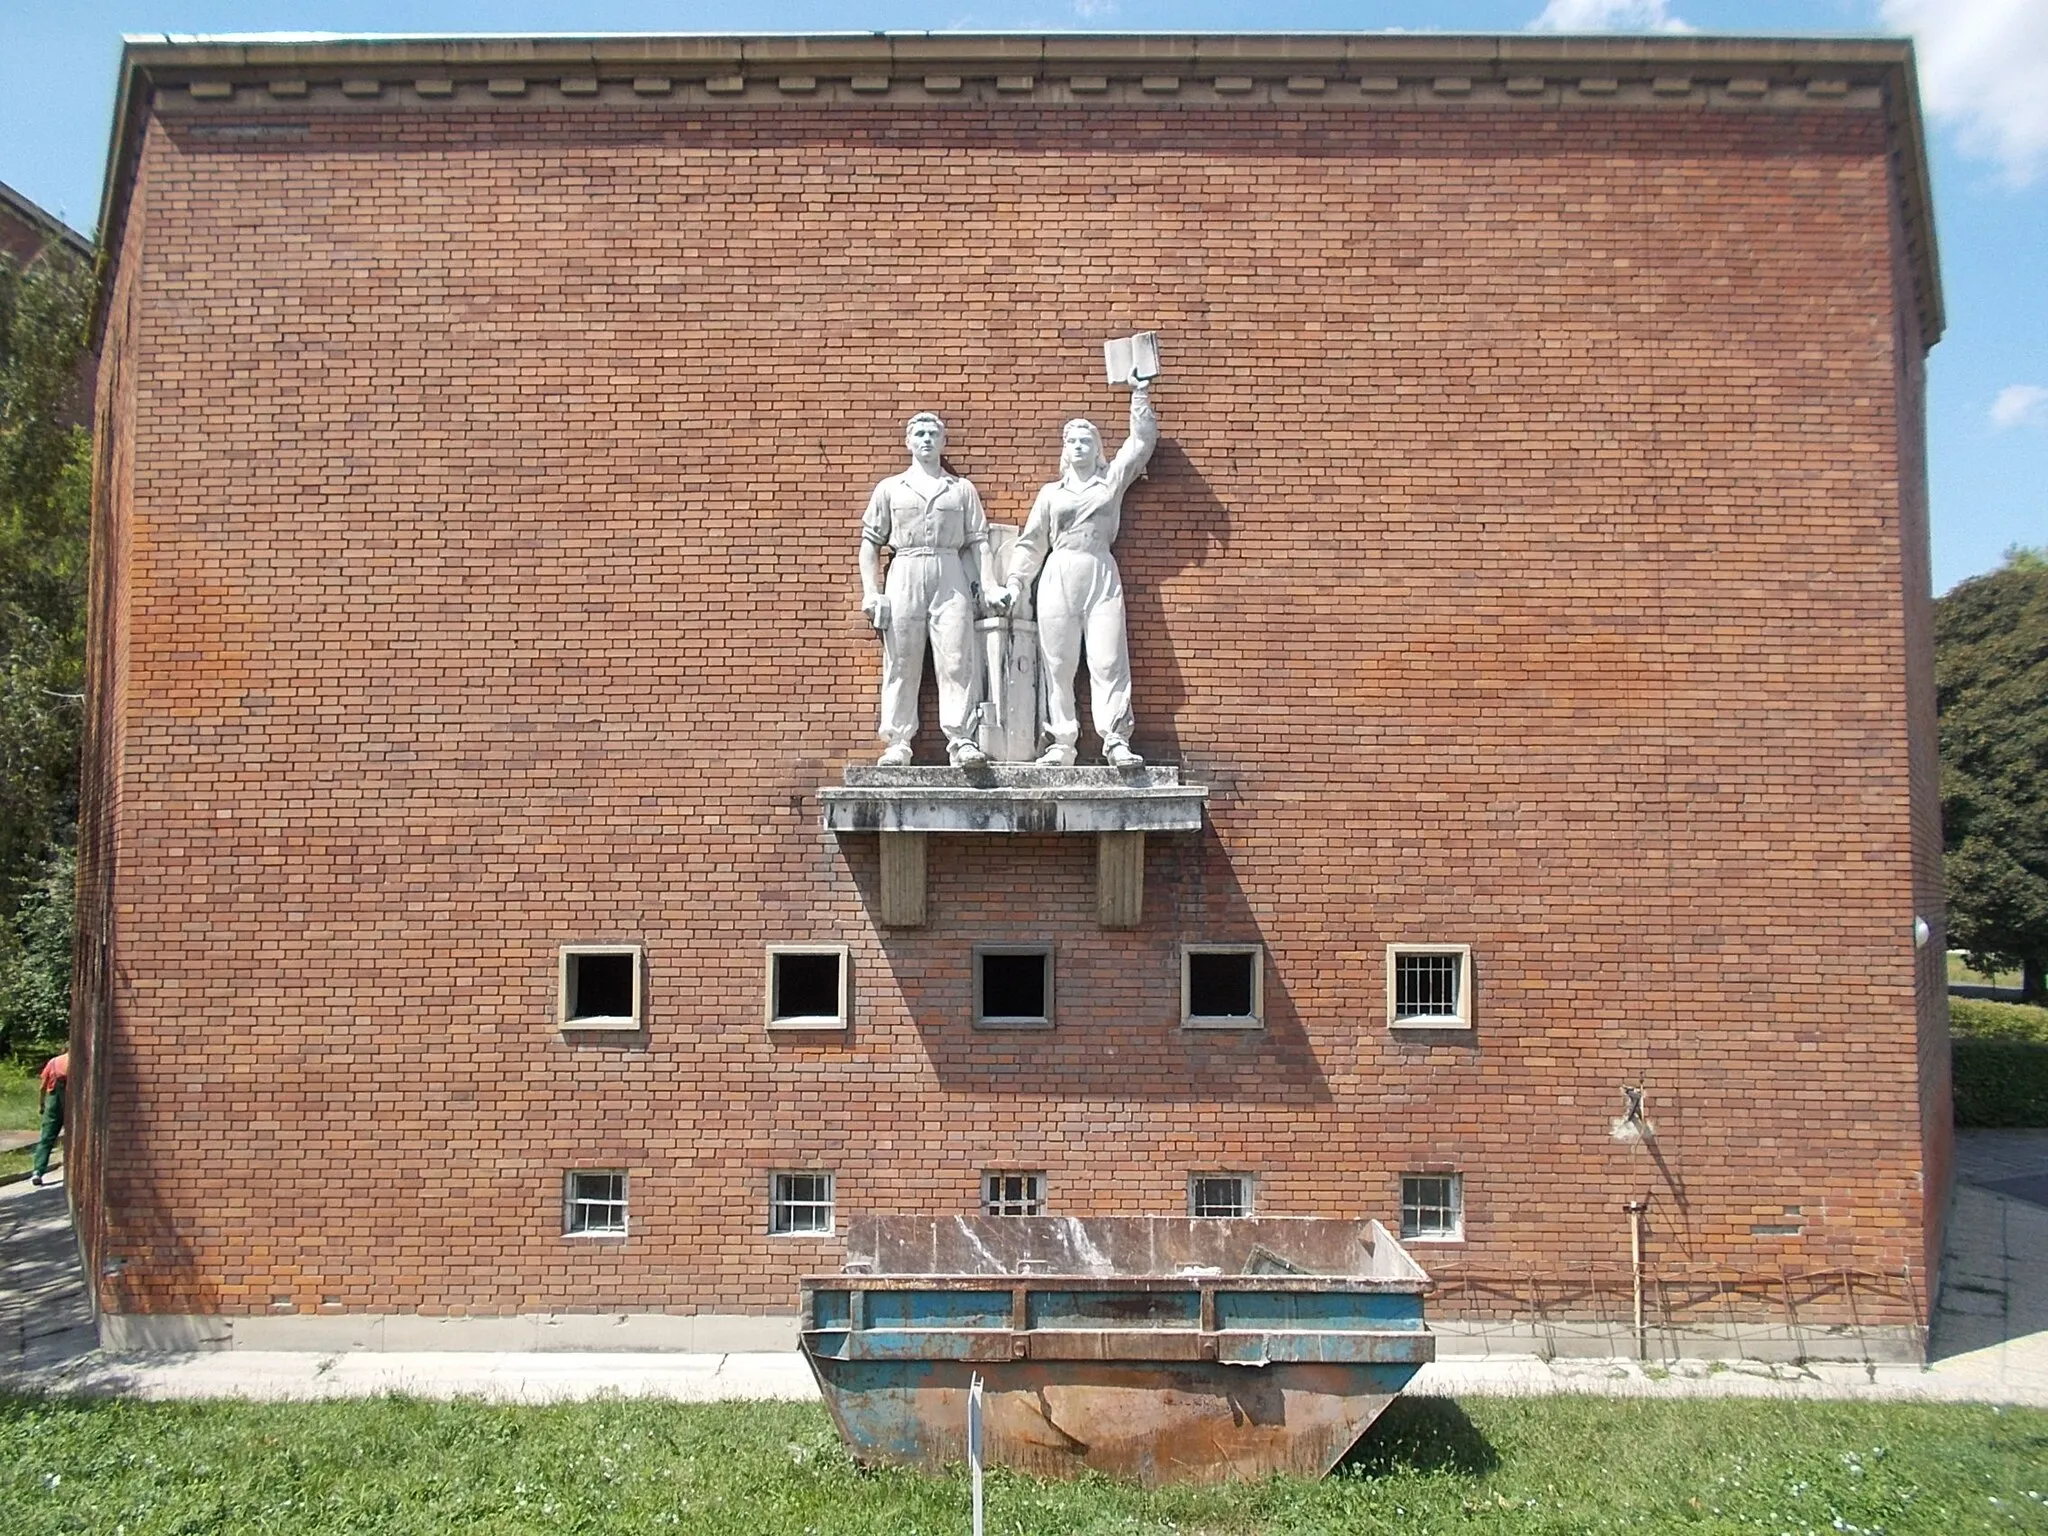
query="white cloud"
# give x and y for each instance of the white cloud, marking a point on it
(1608, 16)
(1984, 69)
(2020, 405)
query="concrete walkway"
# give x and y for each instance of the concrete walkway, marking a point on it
(1989, 1342)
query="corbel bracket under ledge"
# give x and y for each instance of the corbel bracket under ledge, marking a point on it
(1118, 805)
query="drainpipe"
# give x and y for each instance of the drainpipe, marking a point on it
(1635, 1209)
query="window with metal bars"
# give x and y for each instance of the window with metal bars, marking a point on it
(595, 1205)
(1429, 985)
(1219, 1194)
(1432, 1206)
(800, 1205)
(1013, 1194)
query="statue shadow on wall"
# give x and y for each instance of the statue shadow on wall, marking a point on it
(1116, 1030)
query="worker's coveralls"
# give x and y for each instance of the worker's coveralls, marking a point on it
(1080, 594)
(938, 534)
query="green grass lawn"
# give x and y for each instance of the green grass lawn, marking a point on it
(20, 1097)
(1959, 973)
(20, 1110)
(396, 1465)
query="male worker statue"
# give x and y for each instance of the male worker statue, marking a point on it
(936, 530)
(1080, 595)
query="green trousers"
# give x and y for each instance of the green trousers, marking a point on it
(53, 1127)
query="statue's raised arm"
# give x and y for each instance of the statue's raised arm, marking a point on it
(1136, 453)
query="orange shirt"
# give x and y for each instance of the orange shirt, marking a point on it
(55, 1071)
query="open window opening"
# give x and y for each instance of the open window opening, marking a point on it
(1222, 986)
(807, 986)
(599, 986)
(1013, 986)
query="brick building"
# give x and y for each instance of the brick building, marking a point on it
(27, 233)
(1533, 570)
(27, 230)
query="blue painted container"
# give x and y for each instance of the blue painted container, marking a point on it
(1154, 1348)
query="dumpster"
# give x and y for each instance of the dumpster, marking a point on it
(1160, 1349)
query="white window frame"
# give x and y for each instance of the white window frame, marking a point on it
(1462, 1019)
(811, 1021)
(1013, 1021)
(992, 1193)
(1456, 1183)
(572, 1202)
(1189, 1019)
(1247, 1194)
(609, 1022)
(779, 1203)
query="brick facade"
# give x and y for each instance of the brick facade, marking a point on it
(1534, 559)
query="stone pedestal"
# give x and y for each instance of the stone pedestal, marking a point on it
(1118, 806)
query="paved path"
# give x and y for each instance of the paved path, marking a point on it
(1990, 1336)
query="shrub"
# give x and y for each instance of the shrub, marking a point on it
(2001, 1063)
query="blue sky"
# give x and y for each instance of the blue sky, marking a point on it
(1984, 79)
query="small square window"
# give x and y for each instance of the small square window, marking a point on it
(1013, 986)
(807, 986)
(599, 986)
(1222, 986)
(1432, 1207)
(800, 1205)
(1429, 986)
(1219, 1194)
(595, 1205)
(1013, 1194)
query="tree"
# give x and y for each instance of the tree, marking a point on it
(1991, 676)
(45, 500)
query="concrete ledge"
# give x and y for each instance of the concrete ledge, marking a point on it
(1013, 797)
(715, 1333)
(543, 1332)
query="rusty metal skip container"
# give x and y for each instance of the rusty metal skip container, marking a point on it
(1159, 1349)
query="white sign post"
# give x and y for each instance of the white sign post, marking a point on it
(974, 1444)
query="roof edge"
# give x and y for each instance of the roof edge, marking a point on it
(149, 62)
(53, 228)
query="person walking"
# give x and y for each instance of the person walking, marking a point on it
(56, 1072)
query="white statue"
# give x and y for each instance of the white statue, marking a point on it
(936, 530)
(1080, 595)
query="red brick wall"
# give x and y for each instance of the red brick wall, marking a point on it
(1522, 567)
(1930, 896)
(95, 1059)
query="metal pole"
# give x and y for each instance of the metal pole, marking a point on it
(1635, 1263)
(974, 1443)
